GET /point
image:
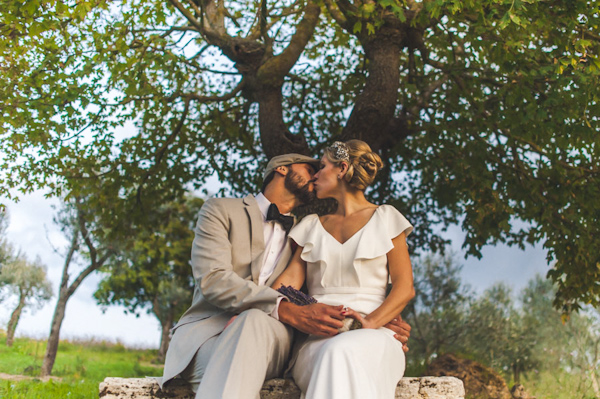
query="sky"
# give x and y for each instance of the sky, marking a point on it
(32, 230)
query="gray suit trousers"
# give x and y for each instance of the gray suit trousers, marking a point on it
(235, 363)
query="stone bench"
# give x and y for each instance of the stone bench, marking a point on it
(147, 388)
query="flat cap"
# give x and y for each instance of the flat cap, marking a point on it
(288, 159)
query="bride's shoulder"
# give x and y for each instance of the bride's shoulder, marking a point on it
(387, 209)
(395, 220)
(304, 229)
(307, 220)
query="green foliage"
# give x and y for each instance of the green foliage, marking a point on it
(493, 118)
(81, 366)
(555, 384)
(438, 312)
(499, 336)
(28, 282)
(28, 279)
(151, 269)
(582, 349)
(524, 338)
(6, 249)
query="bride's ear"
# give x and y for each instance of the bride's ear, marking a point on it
(343, 169)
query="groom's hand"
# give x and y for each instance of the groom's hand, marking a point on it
(316, 319)
(402, 330)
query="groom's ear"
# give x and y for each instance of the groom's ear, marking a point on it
(282, 170)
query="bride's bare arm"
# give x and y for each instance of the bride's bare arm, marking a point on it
(316, 318)
(402, 287)
(294, 274)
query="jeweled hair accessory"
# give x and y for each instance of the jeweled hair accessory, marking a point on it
(340, 151)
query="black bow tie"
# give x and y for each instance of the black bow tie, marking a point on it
(286, 221)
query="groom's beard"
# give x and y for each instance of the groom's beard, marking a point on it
(296, 185)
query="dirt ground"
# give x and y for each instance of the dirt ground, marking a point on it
(17, 377)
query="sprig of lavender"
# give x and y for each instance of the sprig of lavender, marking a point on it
(300, 298)
(296, 297)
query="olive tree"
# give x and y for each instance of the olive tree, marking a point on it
(29, 283)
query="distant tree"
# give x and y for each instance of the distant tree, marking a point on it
(6, 248)
(538, 315)
(498, 335)
(151, 270)
(571, 343)
(439, 311)
(484, 111)
(88, 250)
(29, 283)
(582, 347)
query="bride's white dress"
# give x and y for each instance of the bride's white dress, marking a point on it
(358, 364)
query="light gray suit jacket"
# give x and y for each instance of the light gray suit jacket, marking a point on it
(227, 255)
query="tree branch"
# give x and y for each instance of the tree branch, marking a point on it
(337, 15)
(262, 20)
(347, 8)
(424, 97)
(276, 68)
(161, 152)
(212, 29)
(206, 99)
(95, 263)
(188, 15)
(64, 282)
(255, 31)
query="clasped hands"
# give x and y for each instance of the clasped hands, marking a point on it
(326, 320)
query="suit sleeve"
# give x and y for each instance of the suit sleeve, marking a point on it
(213, 270)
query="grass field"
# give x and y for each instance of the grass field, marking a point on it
(81, 365)
(79, 368)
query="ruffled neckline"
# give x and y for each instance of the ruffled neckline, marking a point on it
(357, 233)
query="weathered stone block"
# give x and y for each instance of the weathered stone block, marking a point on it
(147, 388)
(430, 388)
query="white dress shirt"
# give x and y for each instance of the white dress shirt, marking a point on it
(275, 239)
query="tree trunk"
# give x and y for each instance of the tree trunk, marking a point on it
(264, 73)
(165, 338)
(54, 338)
(14, 319)
(375, 106)
(66, 291)
(166, 322)
(275, 137)
(59, 312)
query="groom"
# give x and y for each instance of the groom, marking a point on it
(240, 248)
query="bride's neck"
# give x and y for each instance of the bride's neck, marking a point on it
(350, 202)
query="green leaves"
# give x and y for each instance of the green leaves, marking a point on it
(150, 269)
(494, 122)
(27, 280)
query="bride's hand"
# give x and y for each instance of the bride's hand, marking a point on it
(353, 314)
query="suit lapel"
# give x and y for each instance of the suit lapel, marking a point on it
(257, 235)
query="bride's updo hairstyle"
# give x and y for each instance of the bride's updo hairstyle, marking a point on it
(363, 163)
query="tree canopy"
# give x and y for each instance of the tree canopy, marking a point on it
(486, 112)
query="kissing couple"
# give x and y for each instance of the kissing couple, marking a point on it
(241, 329)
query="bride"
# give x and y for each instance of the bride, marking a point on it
(347, 258)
